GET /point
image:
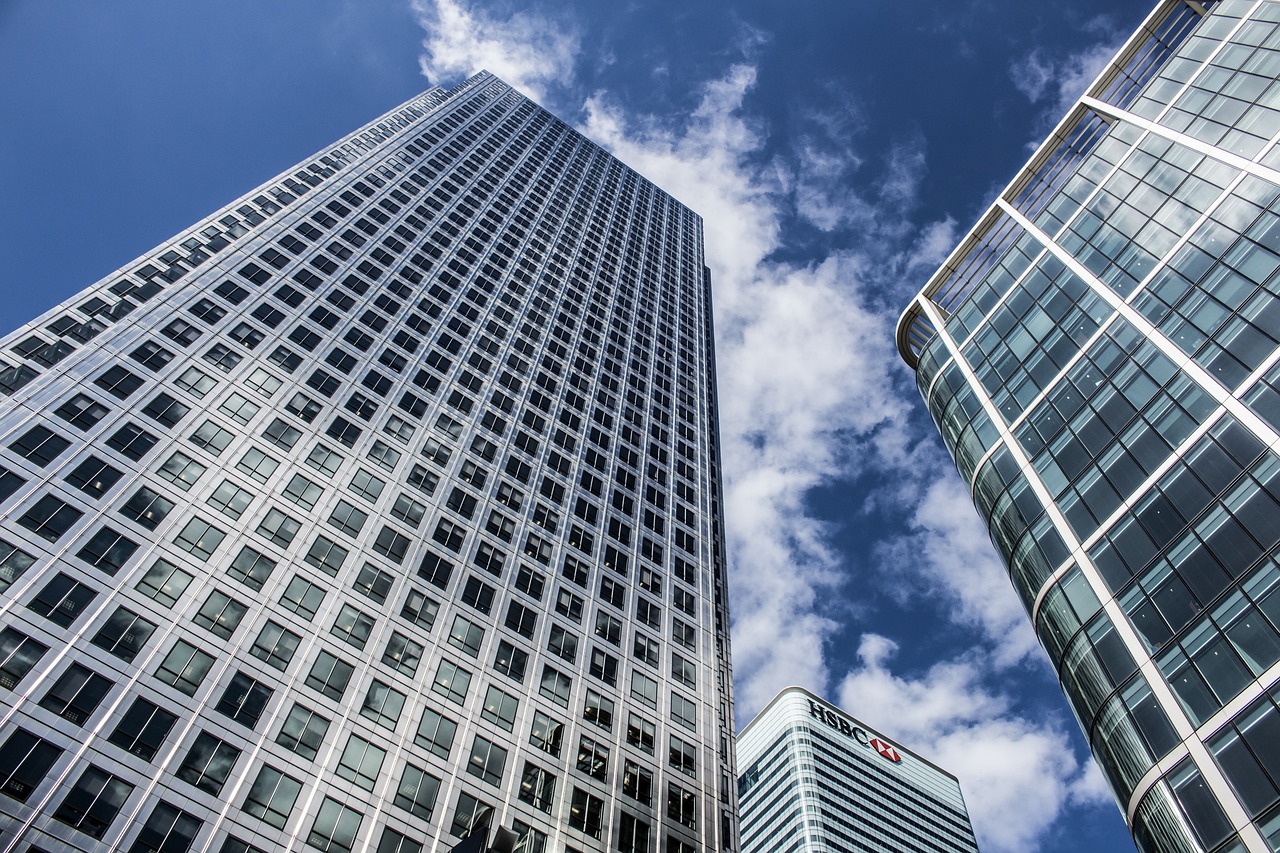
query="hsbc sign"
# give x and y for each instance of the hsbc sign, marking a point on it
(840, 724)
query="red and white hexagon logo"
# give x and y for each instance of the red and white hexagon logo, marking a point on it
(885, 750)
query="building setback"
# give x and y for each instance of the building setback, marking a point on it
(817, 781)
(380, 506)
(1100, 355)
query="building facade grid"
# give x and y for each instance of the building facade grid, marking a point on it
(380, 506)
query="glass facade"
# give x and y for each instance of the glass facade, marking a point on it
(377, 508)
(1101, 355)
(814, 780)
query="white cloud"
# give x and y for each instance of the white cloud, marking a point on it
(1058, 82)
(532, 52)
(1017, 774)
(946, 553)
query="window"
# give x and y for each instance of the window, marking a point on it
(347, 518)
(366, 485)
(147, 508)
(598, 709)
(230, 499)
(648, 613)
(555, 686)
(131, 441)
(93, 802)
(275, 645)
(608, 628)
(604, 667)
(278, 528)
(239, 408)
(391, 544)
(537, 787)
(222, 357)
(435, 733)
(521, 619)
(682, 806)
(640, 733)
(408, 510)
(81, 411)
(352, 626)
(303, 731)
(637, 782)
(251, 568)
(511, 661)
(258, 465)
(546, 734)
(179, 469)
(39, 446)
(24, 762)
(466, 635)
(394, 842)
(195, 382)
(166, 410)
(244, 700)
(151, 355)
(477, 594)
(646, 649)
(420, 610)
(167, 828)
(562, 643)
(451, 682)
(124, 634)
(142, 730)
(281, 434)
(271, 797)
(62, 599)
(94, 477)
(302, 597)
(50, 517)
(683, 756)
(593, 759)
(586, 812)
(403, 654)
(569, 605)
(612, 592)
(184, 667)
(303, 492)
(499, 708)
(164, 582)
(326, 555)
(487, 761)
(118, 381)
(76, 694)
(470, 815)
(329, 675)
(208, 763)
(182, 332)
(360, 763)
(211, 437)
(416, 793)
(220, 614)
(383, 705)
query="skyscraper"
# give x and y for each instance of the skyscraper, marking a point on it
(378, 508)
(1100, 355)
(814, 780)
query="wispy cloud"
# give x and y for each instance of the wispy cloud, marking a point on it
(529, 50)
(1057, 82)
(1017, 774)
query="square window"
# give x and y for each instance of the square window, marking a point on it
(208, 763)
(303, 732)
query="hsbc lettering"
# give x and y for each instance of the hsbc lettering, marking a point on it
(840, 724)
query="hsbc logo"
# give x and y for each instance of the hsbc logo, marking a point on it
(885, 750)
(840, 724)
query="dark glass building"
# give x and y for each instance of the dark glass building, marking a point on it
(375, 510)
(1102, 357)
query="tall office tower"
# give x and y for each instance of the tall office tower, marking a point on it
(378, 508)
(1100, 355)
(818, 781)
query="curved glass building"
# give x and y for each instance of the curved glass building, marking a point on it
(1101, 355)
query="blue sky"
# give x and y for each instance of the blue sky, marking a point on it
(837, 150)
